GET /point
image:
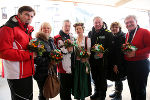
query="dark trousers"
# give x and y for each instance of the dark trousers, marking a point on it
(66, 86)
(40, 84)
(137, 74)
(98, 72)
(21, 89)
(118, 86)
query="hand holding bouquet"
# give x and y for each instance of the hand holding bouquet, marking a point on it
(56, 56)
(127, 47)
(83, 54)
(69, 45)
(36, 46)
(99, 50)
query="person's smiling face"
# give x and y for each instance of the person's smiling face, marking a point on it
(131, 23)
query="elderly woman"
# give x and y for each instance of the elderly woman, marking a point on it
(82, 82)
(43, 61)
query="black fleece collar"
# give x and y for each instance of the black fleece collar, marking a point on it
(96, 33)
(63, 35)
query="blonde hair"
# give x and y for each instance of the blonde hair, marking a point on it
(41, 27)
(45, 24)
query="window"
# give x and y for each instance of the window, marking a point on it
(37, 8)
(4, 13)
(16, 10)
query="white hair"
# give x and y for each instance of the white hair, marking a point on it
(131, 16)
(97, 17)
(67, 20)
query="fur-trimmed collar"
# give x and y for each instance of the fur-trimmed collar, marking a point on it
(42, 36)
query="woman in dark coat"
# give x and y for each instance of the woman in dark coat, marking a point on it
(117, 70)
(43, 61)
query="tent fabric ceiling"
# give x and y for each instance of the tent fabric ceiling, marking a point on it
(133, 4)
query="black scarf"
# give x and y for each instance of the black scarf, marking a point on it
(63, 35)
(131, 33)
(51, 43)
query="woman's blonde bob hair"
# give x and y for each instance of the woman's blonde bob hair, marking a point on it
(41, 27)
(45, 24)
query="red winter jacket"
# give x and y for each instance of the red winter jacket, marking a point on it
(17, 60)
(59, 66)
(142, 42)
(65, 65)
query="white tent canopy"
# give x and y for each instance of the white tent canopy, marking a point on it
(132, 4)
(55, 11)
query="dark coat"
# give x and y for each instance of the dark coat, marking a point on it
(105, 38)
(117, 58)
(42, 62)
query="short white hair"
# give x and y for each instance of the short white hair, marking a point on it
(97, 17)
(67, 20)
(131, 16)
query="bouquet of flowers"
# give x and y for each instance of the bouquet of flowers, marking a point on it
(83, 56)
(83, 53)
(98, 48)
(56, 56)
(36, 46)
(127, 47)
(68, 43)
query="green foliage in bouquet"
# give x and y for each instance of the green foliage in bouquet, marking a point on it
(127, 47)
(68, 43)
(83, 53)
(37, 46)
(98, 48)
(56, 55)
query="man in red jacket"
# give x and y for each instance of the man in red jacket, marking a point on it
(137, 63)
(17, 60)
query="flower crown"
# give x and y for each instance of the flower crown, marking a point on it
(78, 24)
